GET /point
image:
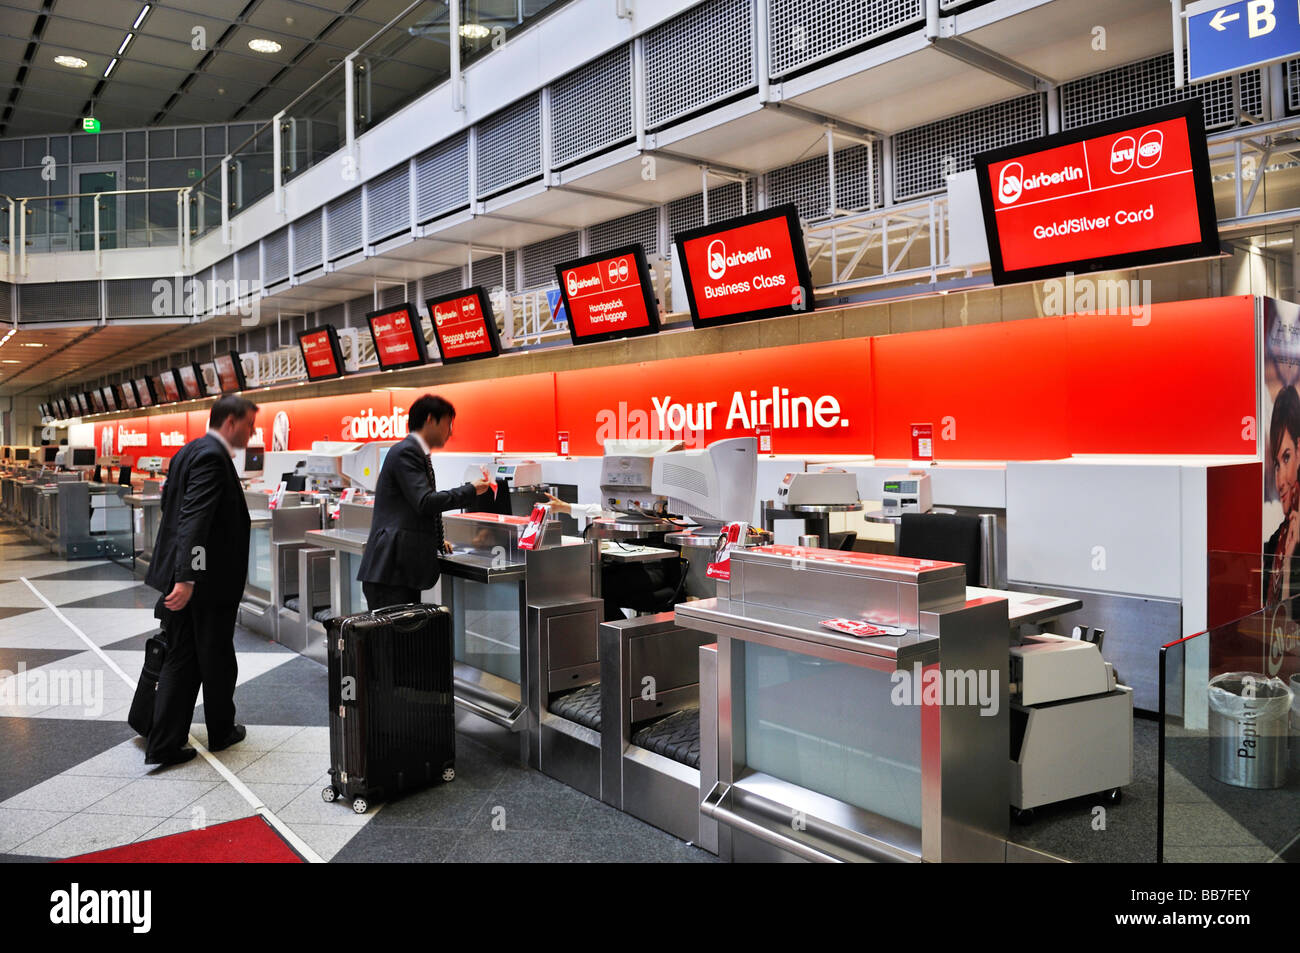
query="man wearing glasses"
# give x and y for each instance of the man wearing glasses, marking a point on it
(401, 557)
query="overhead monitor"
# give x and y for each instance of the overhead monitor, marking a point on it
(191, 378)
(398, 337)
(110, 397)
(230, 372)
(97, 401)
(609, 295)
(169, 388)
(745, 268)
(321, 353)
(464, 325)
(128, 396)
(1118, 194)
(144, 392)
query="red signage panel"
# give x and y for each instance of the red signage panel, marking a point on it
(230, 372)
(464, 325)
(750, 267)
(191, 380)
(321, 353)
(169, 390)
(609, 295)
(399, 341)
(1126, 192)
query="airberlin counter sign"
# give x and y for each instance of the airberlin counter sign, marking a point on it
(1128, 192)
(750, 267)
(609, 295)
(465, 326)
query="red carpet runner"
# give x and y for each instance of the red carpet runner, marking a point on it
(250, 840)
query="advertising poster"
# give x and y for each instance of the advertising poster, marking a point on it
(1280, 433)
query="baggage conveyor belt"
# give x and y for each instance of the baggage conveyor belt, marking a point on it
(676, 736)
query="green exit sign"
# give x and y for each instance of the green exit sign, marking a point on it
(90, 124)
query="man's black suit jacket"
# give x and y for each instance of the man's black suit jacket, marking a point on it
(204, 527)
(406, 528)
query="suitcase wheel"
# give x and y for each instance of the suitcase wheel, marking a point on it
(329, 795)
(359, 806)
(449, 774)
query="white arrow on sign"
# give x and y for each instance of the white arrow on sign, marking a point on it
(1223, 17)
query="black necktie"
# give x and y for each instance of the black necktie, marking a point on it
(437, 517)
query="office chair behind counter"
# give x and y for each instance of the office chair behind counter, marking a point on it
(954, 539)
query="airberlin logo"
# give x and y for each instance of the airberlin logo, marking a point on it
(1013, 183)
(1146, 152)
(719, 261)
(371, 426)
(576, 284)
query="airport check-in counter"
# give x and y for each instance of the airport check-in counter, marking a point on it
(300, 579)
(256, 609)
(648, 710)
(524, 625)
(345, 542)
(807, 723)
(81, 520)
(146, 514)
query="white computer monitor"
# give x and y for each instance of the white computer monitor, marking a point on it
(250, 461)
(716, 485)
(362, 466)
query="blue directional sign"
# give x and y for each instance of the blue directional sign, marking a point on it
(1227, 37)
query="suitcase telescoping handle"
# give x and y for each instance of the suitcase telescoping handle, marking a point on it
(405, 618)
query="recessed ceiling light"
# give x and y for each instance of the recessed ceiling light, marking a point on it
(32, 344)
(109, 68)
(122, 49)
(71, 62)
(10, 360)
(260, 45)
(474, 31)
(140, 19)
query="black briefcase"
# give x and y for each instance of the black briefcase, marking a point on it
(141, 715)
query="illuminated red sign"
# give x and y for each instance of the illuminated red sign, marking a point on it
(170, 389)
(190, 378)
(464, 325)
(321, 353)
(399, 342)
(609, 295)
(750, 267)
(1127, 192)
(230, 372)
(144, 392)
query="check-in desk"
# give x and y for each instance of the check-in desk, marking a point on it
(827, 749)
(256, 609)
(650, 721)
(92, 520)
(346, 543)
(300, 579)
(524, 631)
(146, 514)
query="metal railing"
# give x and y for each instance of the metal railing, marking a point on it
(123, 231)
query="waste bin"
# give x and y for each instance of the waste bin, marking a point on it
(1249, 724)
(1295, 723)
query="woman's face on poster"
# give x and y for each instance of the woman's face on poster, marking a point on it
(1284, 470)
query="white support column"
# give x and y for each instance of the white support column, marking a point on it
(277, 161)
(453, 43)
(99, 256)
(762, 50)
(704, 191)
(13, 238)
(225, 201)
(350, 113)
(1176, 11)
(638, 91)
(544, 107)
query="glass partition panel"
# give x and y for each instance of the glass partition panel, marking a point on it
(259, 558)
(831, 727)
(1229, 764)
(486, 626)
(314, 126)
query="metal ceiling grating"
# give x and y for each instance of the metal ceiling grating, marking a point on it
(442, 178)
(805, 31)
(540, 258)
(388, 203)
(591, 108)
(925, 156)
(510, 146)
(698, 58)
(639, 227)
(343, 225)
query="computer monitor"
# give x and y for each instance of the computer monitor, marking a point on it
(48, 454)
(144, 392)
(128, 395)
(713, 486)
(22, 453)
(362, 466)
(230, 372)
(250, 461)
(110, 397)
(83, 457)
(295, 482)
(191, 378)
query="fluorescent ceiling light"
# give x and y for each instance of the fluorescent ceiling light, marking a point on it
(109, 68)
(10, 360)
(140, 19)
(260, 45)
(71, 62)
(122, 49)
(32, 344)
(474, 31)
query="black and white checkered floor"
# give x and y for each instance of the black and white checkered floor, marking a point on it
(74, 779)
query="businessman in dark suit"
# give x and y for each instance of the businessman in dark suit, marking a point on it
(401, 558)
(200, 564)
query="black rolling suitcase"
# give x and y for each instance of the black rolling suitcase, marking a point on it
(392, 713)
